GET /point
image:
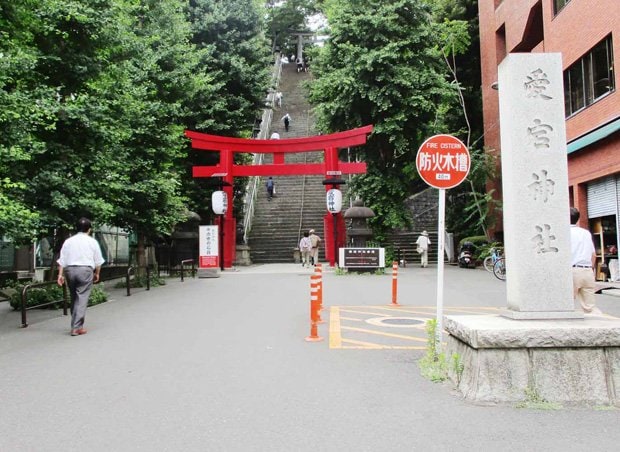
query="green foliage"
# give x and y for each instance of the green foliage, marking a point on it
(480, 245)
(433, 364)
(98, 295)
(95, 96)
(469, 205)
(534, 401)
(141, 280)
(382, 66)
(52, 295)
(234, 61)
(457, 367)
(484, 249)
(284, 17)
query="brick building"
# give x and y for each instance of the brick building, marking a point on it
(587, 34)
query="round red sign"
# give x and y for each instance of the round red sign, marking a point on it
(443, 161)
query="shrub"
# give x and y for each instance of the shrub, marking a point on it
(479, 241)
(52, 294)
(140, 281)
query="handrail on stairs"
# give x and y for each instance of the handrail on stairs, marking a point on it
(303, 186)
(251, 190)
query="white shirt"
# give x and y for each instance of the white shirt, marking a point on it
(80, 249)
(581, 246)
(305, 244)
(423, 242)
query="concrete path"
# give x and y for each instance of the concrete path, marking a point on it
(222, 365)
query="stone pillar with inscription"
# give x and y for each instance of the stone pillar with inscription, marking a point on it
(535, 188)
(539, 344)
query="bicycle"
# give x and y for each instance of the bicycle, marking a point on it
(499, 269)
(489, 261)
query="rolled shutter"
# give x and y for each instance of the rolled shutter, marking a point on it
(602, 197)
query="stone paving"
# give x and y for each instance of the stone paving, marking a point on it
(221, 364)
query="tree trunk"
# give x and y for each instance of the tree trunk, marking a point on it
(140, 269)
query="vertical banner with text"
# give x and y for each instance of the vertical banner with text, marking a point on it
(208, 247)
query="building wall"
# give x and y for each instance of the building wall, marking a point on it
(574, 31)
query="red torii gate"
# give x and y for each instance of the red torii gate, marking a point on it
(330, 167)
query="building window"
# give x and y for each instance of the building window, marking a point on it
(589, 78)
(558, 5)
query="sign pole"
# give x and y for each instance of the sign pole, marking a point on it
(443, 162)
(440, 250)
(222, 242)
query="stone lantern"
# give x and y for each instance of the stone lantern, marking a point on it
(356, 217)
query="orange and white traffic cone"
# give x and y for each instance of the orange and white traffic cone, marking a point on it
(318, 270)
(395, 283)
(314, 311)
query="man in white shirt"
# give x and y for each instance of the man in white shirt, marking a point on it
(80, 263)
(583, 258)
(423, 243)
(316, 241)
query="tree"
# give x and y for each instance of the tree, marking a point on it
(456, 25)
(284, 17)
(115, 72)
(25, 105)
(235, 60)
(381, 66)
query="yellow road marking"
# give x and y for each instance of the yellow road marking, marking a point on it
(380, 333)
(410, 311)
(335, 336)
(362, 343)
(358, 312)
(386, 347)
(336, 341)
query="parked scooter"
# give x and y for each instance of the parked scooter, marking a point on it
(466, 255)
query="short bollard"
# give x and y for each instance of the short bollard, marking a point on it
(395, 283)
(314, 311)
(318, 270)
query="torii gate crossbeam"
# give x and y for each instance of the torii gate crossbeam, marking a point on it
(227, 146)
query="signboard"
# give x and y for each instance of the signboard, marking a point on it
(208, 249)
(443, 161)
(362, 257)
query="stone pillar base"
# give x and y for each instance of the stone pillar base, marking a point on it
(571, 362)
(243, 256)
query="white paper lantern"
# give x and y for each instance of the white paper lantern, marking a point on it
(219, 202)
(334, 200)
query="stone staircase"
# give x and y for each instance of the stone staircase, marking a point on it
(299, 201)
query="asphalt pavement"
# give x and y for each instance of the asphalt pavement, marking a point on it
(221, 364)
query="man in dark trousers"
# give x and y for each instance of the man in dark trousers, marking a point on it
(287, 120)
(80, 263)
(270, 188)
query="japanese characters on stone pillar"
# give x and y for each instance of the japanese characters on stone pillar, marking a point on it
(535, 187)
